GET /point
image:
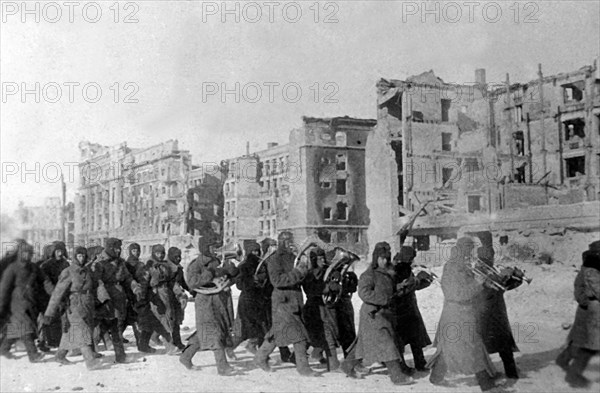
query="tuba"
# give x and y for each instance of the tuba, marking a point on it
(261, 268)
(336, 275)
(218, 285)
(499, 277)
(309, 242)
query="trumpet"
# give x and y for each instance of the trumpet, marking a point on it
(500, 278)
(218, 285)
(425, 273)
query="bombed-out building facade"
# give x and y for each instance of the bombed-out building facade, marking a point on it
(142, 195)
(315, 184)
(510, 158)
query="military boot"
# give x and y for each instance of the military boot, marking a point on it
(419, 358)
(485, 381)
(61, 357)
(261, 359)
(91, 362)
(302, 360)
(397, 376)
(333, 364)
(574, 375)
(510, 367)
(223, 367)
(144, 342)
(188, 353)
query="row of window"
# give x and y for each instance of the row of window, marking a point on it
(340, 213)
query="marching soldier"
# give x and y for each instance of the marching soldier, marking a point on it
(493, 317)
(254, 302)
(52, 267)
(76, 285)
(287, 327)
(213, 311)
(375, 341)
(344, 311)
(583, 341)
(410, 327)
(133, 264)
(22, 286)
(110, 272)
(163, 302)
(464, 352)
(179, 286)
(321, 321)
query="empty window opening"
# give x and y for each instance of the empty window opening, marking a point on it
(446, 141)
(327, 213)
(340, 186)
(446, 109)
(575, 166)
(519, 143)
(574, 128)
(473, 203)
(574, 92)
(342, 211)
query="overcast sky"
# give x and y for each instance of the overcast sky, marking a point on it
(177, 53)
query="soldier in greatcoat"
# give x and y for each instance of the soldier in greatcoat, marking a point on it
(410, 326)
(133, 264)
(52, 267)
(254, 303)
(460, 346)
(214, 312)
(286, 303)
(320, 321)
(493, 319)
(110, 272)
(179, 287)
(583, 341)
(164, 303)
(22, 286)
(76, 290)
(376, 340)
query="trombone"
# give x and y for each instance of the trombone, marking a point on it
(500, 278)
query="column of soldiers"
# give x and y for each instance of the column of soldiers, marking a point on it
(99, 294)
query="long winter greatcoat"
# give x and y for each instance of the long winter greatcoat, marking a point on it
(254, 303)
(113, 274)
(53, 268)
(320, 321)
(493, 322)
(410, 327)
(146, 319)
(133, 264)
(585, 332)
(376, 341)
(76, 289)
(163, 302)
(214, 313)
(457, 339)
(22, 286)
(286, 300)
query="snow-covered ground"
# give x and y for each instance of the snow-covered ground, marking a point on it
(537, 312)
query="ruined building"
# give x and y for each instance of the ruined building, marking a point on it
(505, 157)
(313, 184)
(139, 195)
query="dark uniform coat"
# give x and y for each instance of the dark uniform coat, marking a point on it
(493, 321)
(376, 341)
(457, 339)
(163, 302)
(53, 268)
(585, 332)
(112, 273)
(22, 286)
(214, 313)
(133, 265)
(254, 303)
(286, 300)
(409, 327)
(344, 311)
(75, 289)
(320, 321)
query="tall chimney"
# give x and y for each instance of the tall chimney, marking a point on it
(480, 76)
(247, 148)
